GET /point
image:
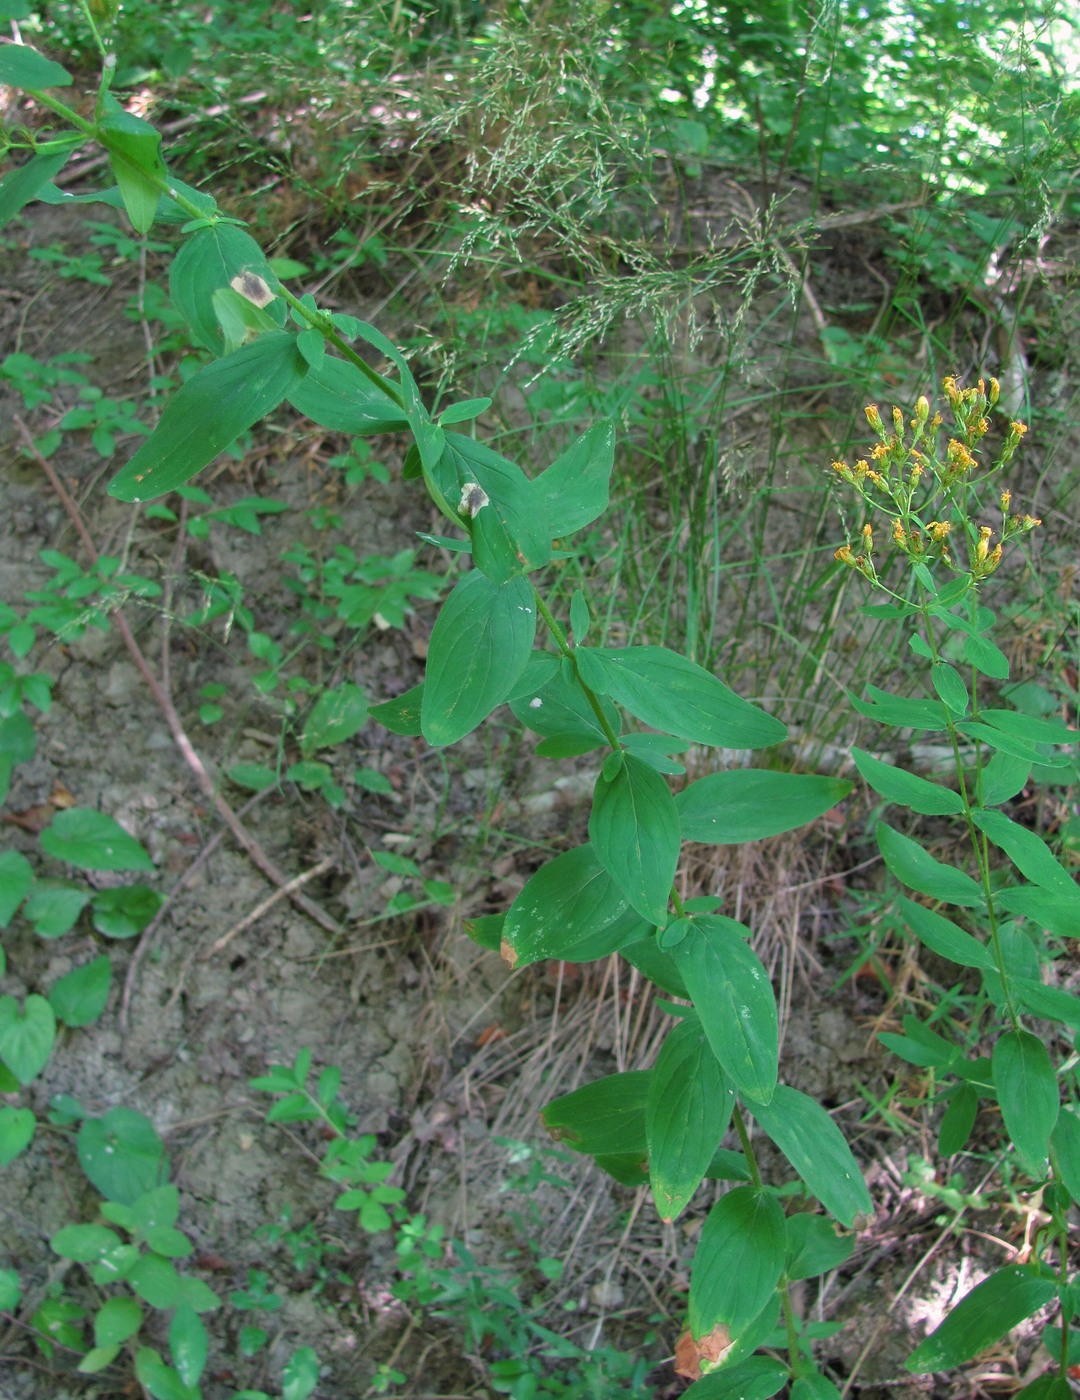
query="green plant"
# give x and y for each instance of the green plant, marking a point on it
(497, 1309)
(87, 841)
(1015, 899)
(615, 892)
(638, 707)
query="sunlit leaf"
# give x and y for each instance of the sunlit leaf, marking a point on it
(982, 1317)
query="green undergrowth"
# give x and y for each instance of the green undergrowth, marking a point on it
(639, 301)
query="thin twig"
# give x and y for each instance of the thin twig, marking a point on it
(244, 839)
(285, 892)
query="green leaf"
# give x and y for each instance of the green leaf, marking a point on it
(553, 703)
(907, 789)
(573, 491)
(157, 1208)
(687, 1113)
(96, 1359)
(1049, 1387)
(579, 616)
(91, 840)
(84, 1243)
(23, 67)
(756, 1378)
(117, 1319)
(256, 777)
(814, 1386)
(463, 412)
(485, 930)
(920, 1045)
(814, 1247)
(669, 692)
(1003, 777)
(163, 1382)
(986, 657)
(982, 1317)
(1008, 743)
(207, 263)
(654, 749)
(654, 963)
(300, 1375)
(401, 715)
(634, 830)
(727, 1165)
(950, 687)
(1031, 728)
(479, 646)
(78, 998)
(900, 711)
(734, 999)
(913, 866)
(339, 396)
(240, 321)
(16, 1132)
(156, 1281)
(16, 878)
(27, 1034)
(19, 186)
(1058, 912)
(815, 1147)
(188, 1344)
(1065, 1140)
(121, 1154)
(606, 1117)
(508, 534)
(1028, 852)
(1049, 1003)
(1027, 1092)
(738, 1261)
(134, 148)
(53, 909)
(958, 1120)
(338, 715)
(571, 909)
(209, 412)
(125, 911)
(943, 937)
(749, 804)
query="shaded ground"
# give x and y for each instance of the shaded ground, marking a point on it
(446, 1057)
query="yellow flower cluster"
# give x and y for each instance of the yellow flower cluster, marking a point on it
(906, 476)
